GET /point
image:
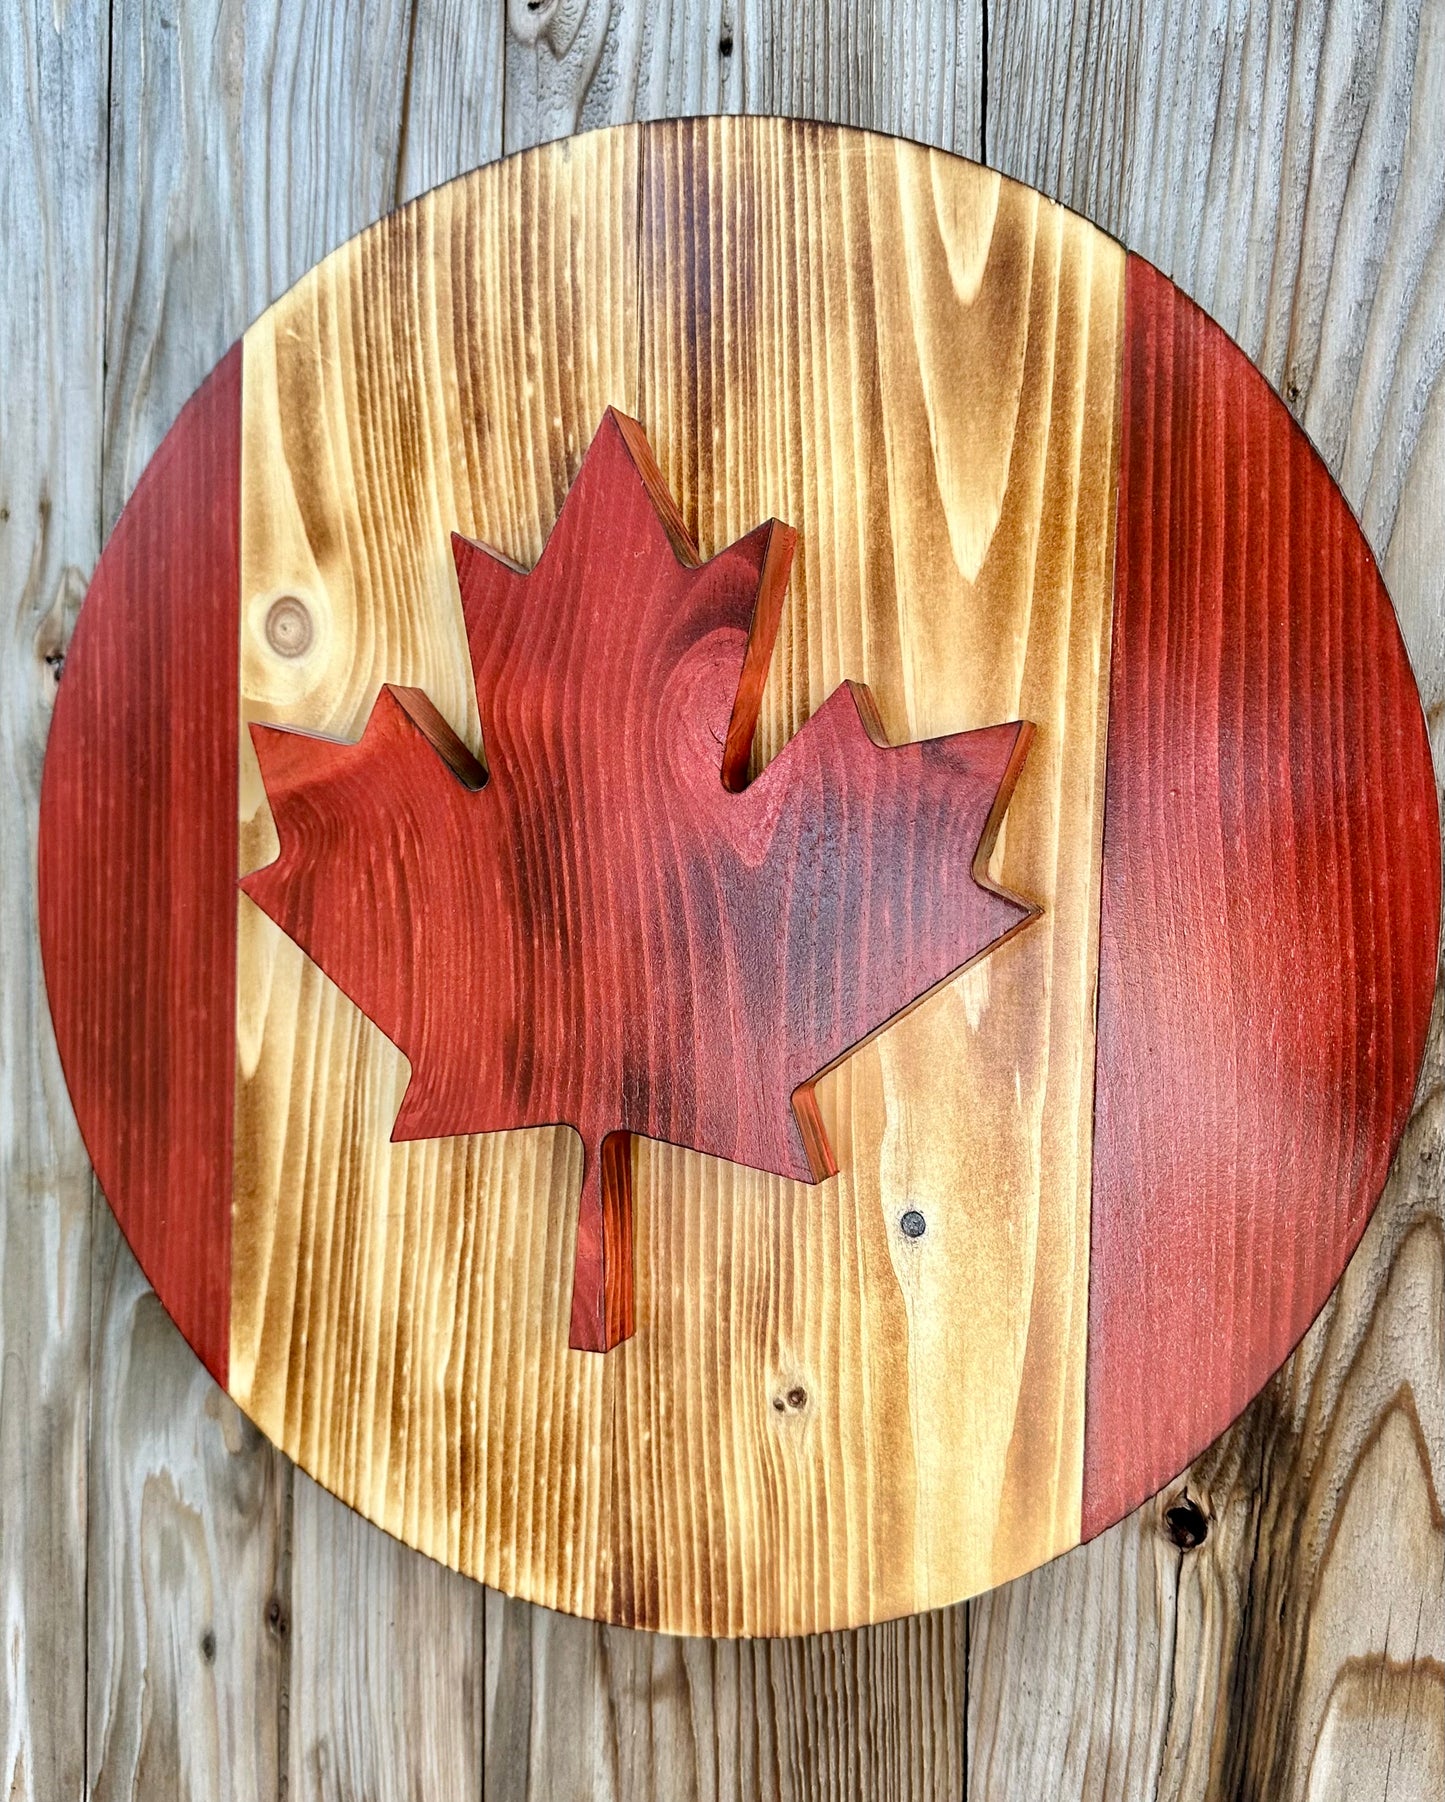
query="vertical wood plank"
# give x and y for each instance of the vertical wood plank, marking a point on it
(386, 1666)
(52, 224)
(1281, 164)
(452, 115)
(943, 584)
(399, 1713)
(562, 1695)
(185, 1650)
(247, 141)
(912, 68)
(576, 64)
(579, 1710)
(909, 67)
(381, 1286)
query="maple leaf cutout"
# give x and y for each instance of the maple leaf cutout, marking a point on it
(608, 926)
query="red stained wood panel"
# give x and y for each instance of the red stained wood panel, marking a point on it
(137, 863)
(1270, 907)
(618, 931)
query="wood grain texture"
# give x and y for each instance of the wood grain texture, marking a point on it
(52, 222)
(324, 1375)
(1271, 902)
(385, 1664)
(1303, 1631)
(535, 1642)
(959, 593)
(731, 1305)
(502, 922)
(1250, 120)
(137, 860)
(1278, 162)
(451, 118)
(912, 69)
(578, 1709)
(187, 1666)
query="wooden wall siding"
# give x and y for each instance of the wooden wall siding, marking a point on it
(1282, 164)
(778, 413)
(53, 134)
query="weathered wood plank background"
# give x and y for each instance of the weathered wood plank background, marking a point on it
(183, 1615)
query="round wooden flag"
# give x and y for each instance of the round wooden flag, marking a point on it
(739, 877)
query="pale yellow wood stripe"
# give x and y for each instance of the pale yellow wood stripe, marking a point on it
(399, 1315)
(913, 362)
(828, 351)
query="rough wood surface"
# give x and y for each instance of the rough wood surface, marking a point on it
(912, 69)
(52, 307)
(1282, 163)
(750, 1289)
(575, 1709)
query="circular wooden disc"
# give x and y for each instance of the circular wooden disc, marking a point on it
(1030, 481)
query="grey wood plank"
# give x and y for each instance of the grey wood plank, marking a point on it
(579, 1710)
(453, 110)
(1282, 163)
(575, 64)
(909, 67)
(52, 226)
(386, 1671)
(386, 1676)
(912, 67)
(186, 1648)
(247, 140)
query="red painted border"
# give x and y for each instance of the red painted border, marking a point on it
(1271, 903)
(138, 863)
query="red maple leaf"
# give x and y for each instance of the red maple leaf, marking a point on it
(608, 926)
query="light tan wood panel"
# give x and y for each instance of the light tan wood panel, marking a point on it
(399, 1318)
(1280, 164)
(957, 559)
(52, 224)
